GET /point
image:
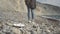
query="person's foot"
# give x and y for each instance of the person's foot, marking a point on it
(33, 21)
(29, 21)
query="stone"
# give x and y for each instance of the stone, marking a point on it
(19, 25)
(16, 31)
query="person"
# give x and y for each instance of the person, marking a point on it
(31, 5)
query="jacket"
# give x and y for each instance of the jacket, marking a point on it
(31, 3)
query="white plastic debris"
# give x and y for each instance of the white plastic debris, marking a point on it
(19, 25)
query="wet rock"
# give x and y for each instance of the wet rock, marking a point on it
(33, 32)
(34, 26)
(16, 30)
(8, 33)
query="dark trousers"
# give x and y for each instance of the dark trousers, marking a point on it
(30, 13)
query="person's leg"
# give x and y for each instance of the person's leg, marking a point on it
(32, 14)
(28, 15)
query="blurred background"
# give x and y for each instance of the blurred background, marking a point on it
(47, 17)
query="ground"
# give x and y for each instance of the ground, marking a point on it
(41, 25)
